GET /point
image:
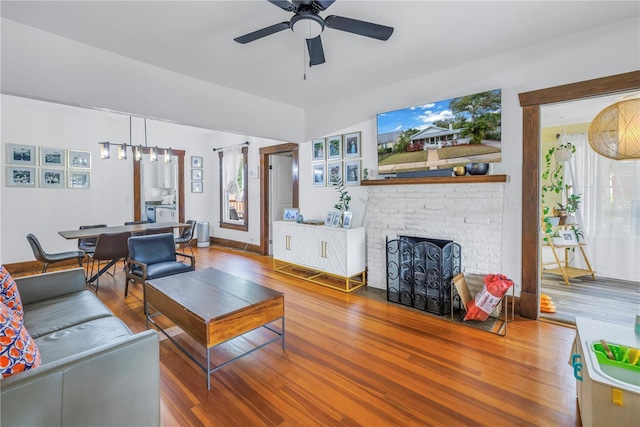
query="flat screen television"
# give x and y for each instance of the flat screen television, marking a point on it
(432, 138)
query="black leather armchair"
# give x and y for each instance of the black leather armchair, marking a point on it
(153, 256)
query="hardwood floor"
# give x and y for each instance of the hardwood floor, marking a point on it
(609, 300)
(355, 361)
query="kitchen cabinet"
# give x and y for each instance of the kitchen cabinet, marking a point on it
(329, 256)
(165, 214)
(164, 174)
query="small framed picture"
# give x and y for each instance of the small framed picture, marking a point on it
(335, 221)
(318, 150)
(352, 145)
(21, 154)
(53, 157)
(290, 214)
(79, 159)
(196, 174)
(335, 173)
(196, 187)
(352, 173)
(346, 219)
(196, 161)
(79, 179)
(329, 219)
(568, 237)
(319, 175)
(21, 176)
(334, 147)
(52, 178)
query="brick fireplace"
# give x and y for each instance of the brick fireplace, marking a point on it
(469, 214)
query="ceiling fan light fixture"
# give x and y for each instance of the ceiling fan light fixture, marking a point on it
(307, 25)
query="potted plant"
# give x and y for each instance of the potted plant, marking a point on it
(343, 201)
(556, 239)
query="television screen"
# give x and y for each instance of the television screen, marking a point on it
(437, 136)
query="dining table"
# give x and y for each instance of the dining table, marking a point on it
(133, 228)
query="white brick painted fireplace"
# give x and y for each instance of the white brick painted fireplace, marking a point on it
(470, 214)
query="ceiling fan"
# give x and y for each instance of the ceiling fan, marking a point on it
(307, 23)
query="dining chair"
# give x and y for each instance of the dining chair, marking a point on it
(110, 247)
(186, 236)
(48, 258)
(137, 233)
(88, 244)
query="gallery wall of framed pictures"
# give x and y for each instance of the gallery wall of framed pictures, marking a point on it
(197, 174)
(45, 167)
(337, 157)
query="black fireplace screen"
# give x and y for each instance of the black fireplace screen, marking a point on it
(420, 270)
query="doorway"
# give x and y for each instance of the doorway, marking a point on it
(266, 215)
(530, 103)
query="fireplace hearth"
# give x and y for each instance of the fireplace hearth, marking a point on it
(420, 271)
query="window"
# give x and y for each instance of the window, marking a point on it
(233, 188)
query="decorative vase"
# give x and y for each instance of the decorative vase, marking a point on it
(553, 220)
(477, 168)
(460, 170)
(557, 241)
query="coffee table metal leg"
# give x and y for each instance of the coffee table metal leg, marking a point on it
(208, 370)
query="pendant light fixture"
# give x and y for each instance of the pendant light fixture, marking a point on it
(167, 155)
(615, 132)
(105, 151)
(105, 148)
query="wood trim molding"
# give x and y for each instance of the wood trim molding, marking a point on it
(265, 220)
(531, 102)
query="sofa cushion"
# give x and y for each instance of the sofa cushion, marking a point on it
(163, 269)
(152, 248)
(54, 314)
(9, 294)
(18, 351)
(82, 337)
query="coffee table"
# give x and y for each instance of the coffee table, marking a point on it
(213, 307)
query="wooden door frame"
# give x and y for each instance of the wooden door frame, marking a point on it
(530, 103)
(265, 217)
(137, 185)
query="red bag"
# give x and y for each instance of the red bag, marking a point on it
(495, 286)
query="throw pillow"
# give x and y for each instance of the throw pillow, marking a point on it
(18, 351)
(9, 294)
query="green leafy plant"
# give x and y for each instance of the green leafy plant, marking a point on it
(343, 201)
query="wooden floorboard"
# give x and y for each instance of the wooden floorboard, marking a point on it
(609, 300)
(355, 361)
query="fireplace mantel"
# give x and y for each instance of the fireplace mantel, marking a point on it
(467, 179)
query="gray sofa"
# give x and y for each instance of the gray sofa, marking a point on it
(94, 371)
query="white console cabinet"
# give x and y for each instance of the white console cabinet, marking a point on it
(329, 256)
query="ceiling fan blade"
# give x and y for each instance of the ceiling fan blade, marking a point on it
(284, 5)
(316, 53)
(262, 33)
(324, 4)
(363, 28)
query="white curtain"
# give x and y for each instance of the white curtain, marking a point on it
(609, 213)
(231, 161)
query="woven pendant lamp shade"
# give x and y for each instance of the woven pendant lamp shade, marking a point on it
(615, 132)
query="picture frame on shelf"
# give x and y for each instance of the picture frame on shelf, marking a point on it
(52, 178)
(346, 219)
(290, 214)
(21, 176)
(334, 173)
(196, 187)
(352, 145)
(78, 179)
(79, 159)
(21, 154)
(196, 174)
(318, 150)
(352, 173)
(53, 157)
(319, 178)
(334, 147)
(568, 237)
(196, 161)
(337, 216)
(329, 219)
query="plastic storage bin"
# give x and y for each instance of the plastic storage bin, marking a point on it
(203, 234)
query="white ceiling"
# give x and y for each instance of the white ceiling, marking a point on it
(195, 38)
